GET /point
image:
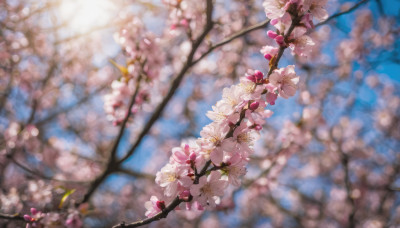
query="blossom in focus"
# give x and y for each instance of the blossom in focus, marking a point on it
(153, 206)
(285, 79)
(208, 189)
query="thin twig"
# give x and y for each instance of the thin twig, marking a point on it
(136, 174)
(163, 214)
(342, 13)
(232, 37)
(35, 173)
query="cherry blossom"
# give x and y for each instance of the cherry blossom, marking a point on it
(285, 79)
(208, 189)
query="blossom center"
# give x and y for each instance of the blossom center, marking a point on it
(171, 177)
(244, 138)
(207, 189)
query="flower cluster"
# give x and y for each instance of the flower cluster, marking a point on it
(144, 60)
(185, 15)
(39, 219)
(201, 170)
(292, 18)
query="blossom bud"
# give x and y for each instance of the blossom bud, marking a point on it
(251, 78)
(192, 156)
(34, 211)
(187, 147)
(184, 23)
(271, 97)
(259, 75)
(28, 218)
(268, 56)
(279, 39)
(184, 194)
(274, 21)
(258, 127)
(254, 105)
(160, 204)
(272, 34)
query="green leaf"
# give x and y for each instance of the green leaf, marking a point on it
(65, 196)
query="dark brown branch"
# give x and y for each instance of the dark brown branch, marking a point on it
(342, 13)
(12, 217)
(35, 173)
(163, 214)
(136, 174)
(112, 165)
(345, 163)
(35, 102)
(175, 84)
(232, 37)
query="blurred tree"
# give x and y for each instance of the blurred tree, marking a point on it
(100, 99)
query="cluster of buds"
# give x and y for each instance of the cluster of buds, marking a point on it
(34, 218)
(292, 19)
(39, 219)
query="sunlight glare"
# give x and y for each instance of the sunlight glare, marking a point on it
(84, 15)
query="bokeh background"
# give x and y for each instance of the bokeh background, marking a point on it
(328, 157)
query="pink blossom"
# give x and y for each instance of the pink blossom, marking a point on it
(244, 139)
(302, 46)
(187, 155)
(73, 220)
(316, 7)
(212, 135)
(172, 177)
(273, 8)
(223, 152)
(233, 97)
(208, 189)
(153, 206)
(234, 172)
(285, 79)
(222, 112)
(271, 97)
(269, 51)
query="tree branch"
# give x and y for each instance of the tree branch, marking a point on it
(12, 217)
(203, 171)
(160, 215)
(345, 163)
(179, 78)
(35, 173)
(342, 13)
(112, 166)
(136, 174)
(233, 37)
(175, 84)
